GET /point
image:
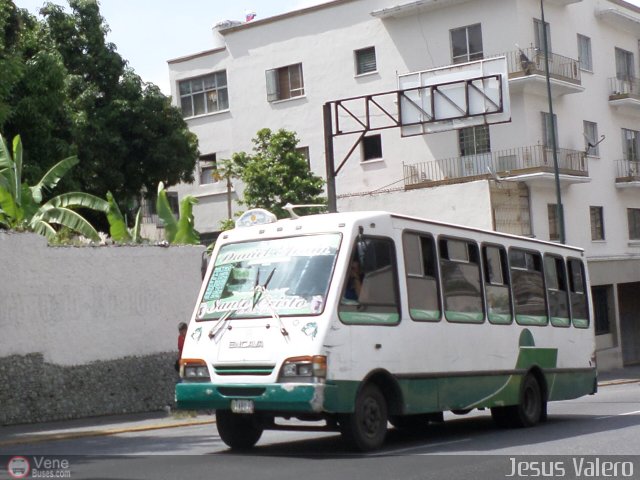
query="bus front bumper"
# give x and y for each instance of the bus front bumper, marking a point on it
(283, 397)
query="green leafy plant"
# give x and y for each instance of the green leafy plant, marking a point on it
(118, 229)
(21, 206)
(181, 230)
(276, 173)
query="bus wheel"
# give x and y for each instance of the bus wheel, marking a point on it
(531, 409)
(240, 432)
(366, 428)
(532, 406)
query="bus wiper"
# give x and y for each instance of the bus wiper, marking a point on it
(257, 292)
(218, 327)
(262, 289)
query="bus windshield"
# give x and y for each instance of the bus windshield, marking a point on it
(285, 276)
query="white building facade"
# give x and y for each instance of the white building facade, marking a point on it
(279, 72)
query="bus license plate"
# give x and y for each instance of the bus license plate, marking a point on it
(242, 406)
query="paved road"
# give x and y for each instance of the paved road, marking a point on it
(605, 424)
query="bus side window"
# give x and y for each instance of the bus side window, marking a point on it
(461, 281)
(579, 309)
(497, 291)
(377, 299)
(557, 294)
(528, 287)
(422, 277)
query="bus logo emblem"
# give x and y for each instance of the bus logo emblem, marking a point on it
(247, 344)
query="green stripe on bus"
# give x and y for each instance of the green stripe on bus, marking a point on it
(418, 314)
(471, 317)
(532, 319)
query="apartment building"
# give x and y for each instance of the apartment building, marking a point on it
(278, 72)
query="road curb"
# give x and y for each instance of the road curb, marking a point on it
(618, 382)
(39, 438)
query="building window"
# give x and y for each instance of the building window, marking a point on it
(371, 148)
(285, 82)
(554, 224)
(466, 44)
(600, 296)
(624, 65)
(584, 53)
(202, 95)
(304, 151)
(633, 215)
(539, 35)
(631, 145)
(597, 223)
(207, 166)
(365, 60)
(547, 129)
(474, 140)
(590, 130)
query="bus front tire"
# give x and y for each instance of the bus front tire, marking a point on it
(240, 432)
(366, 428)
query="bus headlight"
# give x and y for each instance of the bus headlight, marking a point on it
(194, 369)
(304, 369)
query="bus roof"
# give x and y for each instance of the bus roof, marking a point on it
(331, 222)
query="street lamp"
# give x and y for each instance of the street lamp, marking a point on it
(554, 140)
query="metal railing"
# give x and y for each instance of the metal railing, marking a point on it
(628, 170)
(530, 61)
(624, 87)
(505, 163)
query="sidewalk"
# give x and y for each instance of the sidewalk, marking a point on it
(138, 422)
(99, 426)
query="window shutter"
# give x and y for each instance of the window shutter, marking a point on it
(273, 92)
(366, 60)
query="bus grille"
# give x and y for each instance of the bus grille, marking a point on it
(241, 391)
(243, 369)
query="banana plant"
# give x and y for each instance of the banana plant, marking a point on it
(21, 206)
(118, 229)
(182, 230)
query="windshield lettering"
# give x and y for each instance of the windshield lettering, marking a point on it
(294, 274)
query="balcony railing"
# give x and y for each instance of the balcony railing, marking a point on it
(627, 171)
(505, 163)
(620, 88)
(530, 61)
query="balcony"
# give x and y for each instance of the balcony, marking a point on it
(532, 165)
(527, 73)
(627, 174)
(624, 94)
(620, 19)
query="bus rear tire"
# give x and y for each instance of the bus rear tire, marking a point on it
(530, 410)
(366, 428)
(532, 406)
(239, 432)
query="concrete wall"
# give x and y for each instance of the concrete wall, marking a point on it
(90, 330)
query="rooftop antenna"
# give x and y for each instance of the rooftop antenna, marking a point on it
(290, 208)
(494, 175)
(590, 144)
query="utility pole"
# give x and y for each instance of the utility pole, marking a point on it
(554, 140)
(329, 159)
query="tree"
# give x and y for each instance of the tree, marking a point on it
(72, 93)
(21, 206)
(277, 173)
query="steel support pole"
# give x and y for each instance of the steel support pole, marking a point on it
(329, 159)
(554, 140)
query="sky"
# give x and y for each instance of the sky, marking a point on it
(147, 33)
